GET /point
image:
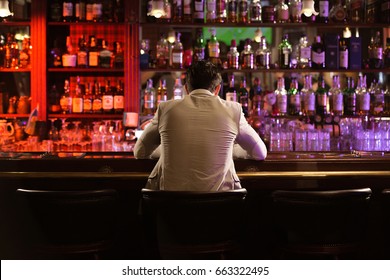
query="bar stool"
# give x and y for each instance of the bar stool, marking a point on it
(70, 224)
(385, 222)
(321, 224)
(193, 225)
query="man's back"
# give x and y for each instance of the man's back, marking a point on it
(197, 136)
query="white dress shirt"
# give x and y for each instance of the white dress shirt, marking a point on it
(197, 136)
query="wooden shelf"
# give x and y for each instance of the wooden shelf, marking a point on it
(86, 70)
(86, 116)
(14, 116)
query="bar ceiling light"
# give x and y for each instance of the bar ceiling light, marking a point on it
(4, 10)
(308, 8)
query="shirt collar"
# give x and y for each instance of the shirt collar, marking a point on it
(201, 92)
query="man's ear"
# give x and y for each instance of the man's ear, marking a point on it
(217, 89)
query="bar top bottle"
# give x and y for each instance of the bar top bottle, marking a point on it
(294, 99)
(243, 97)
(213, 48)
(263, 55)
(337, 97)
(375, 52)
(247, 56)
(221, 11)
(280, 108)
(178, 89)
(323, 11)
(177, 53)
(149, 106)
(322, 98)
(350, 98)
(285, 50)
(233, 56)
(243, 11)
(308, 96)
(318, 54)
(282, 12)
(304, 53)
(232, 10)
(199, 47)
(255, 11)
(162, 52)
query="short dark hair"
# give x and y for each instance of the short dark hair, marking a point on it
(203, 75)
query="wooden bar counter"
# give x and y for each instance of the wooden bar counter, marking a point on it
(124, 173)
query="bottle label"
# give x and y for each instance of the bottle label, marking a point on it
(364, 102)
(296, 9)
(97, 10)
(295, 100)
(87, 105)
(231, 96)
(318, 58)
(338, 102)
(67, 9)
(149, 102)
(77, 105)
(187, 7)
(89, 14)
(118, 102)
(177, 58)
(305, 52)
(82, 58)
(97, 105)
(283, 15)
(322, 100)
(324, 9)
(214, 50)
(309, 101)
(344, 59)
(281, 100)
(108, 102)
(93, 58)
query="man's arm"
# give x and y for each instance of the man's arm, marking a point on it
(149, 140)
(250, 145)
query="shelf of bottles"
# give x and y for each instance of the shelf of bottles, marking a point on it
(15, 58)
(334, 79)
(86, 59)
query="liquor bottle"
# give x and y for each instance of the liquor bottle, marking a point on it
(268, 14)
(69, 57)
(187, 11)
(167, 16)
(232, 11)
(177, 53)
(97, 104)
(243, 96)
(105, 55)
(294, 99)
(66, 99)
(385, 11)
(77, 99)
(82, 53)
(198, 11)
(233, 56)
(247, 61)
(344, 49)
(318, 54)
(199, 46)
(375, 52)
(119, 58)
(93, 55)
(231, 92)
(88, 99)
(80, 10)
(295, 9)
(362, 97)
(338, 12)
(54, 100)
(386, 53)
(386, 110)
(350, 98)
(178, 89)
(119, 98)
(255, 89)
(263, 55)
(149, 96)
(162, 52)
(323, 11)
(24, 54)
(304, 53)
(211, 11)
(213, 48)
(97, 11)
(282, 12)
(322, 98)
(308, 96)
(255, 11)
(89, 10)
(377, 98)
(242, 11)
(144, 57)
(67, 11)
(177, 11)
(256, 112)
(55, 11)
(373, 11)
(162, 92)
(285, 50)
(356, 11)
(280, 106)
(337, 98)
(108, 99)
(221, 11)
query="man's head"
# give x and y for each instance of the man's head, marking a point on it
(203, 75)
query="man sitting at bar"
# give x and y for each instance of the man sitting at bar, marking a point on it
(199, 136)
